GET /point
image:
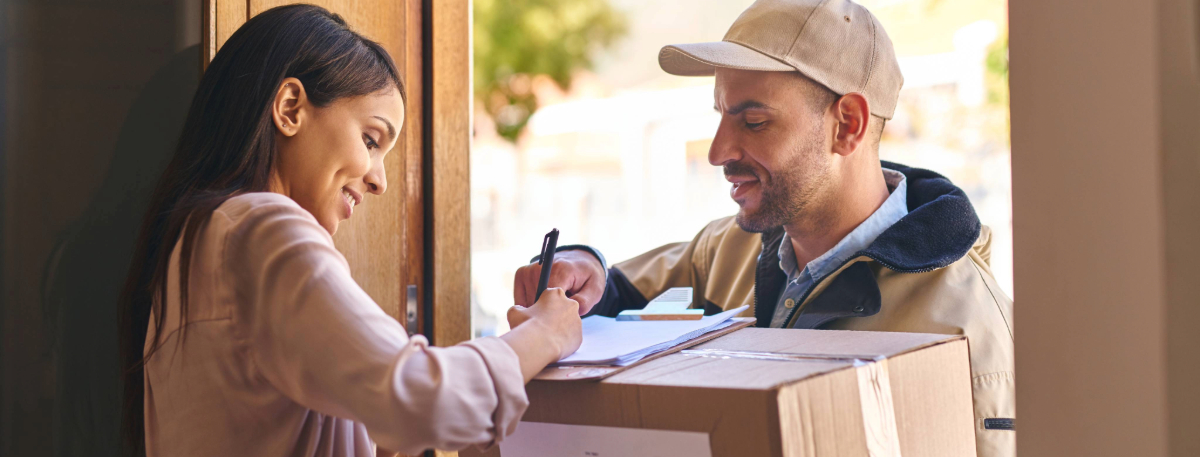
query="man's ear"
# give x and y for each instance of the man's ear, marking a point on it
(289, 107)
(852, 114)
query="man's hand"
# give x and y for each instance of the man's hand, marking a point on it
(577, 272)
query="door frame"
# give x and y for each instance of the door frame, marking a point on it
(447, 70)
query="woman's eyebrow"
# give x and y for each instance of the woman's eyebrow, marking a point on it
(391, 129)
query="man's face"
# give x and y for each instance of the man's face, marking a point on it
(774, 145)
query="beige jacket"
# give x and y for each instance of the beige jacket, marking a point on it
(928, 273)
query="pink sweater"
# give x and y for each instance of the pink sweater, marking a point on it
(285, 355)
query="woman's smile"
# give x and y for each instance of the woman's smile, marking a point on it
(350, 199)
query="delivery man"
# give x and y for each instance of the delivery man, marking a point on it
(827, 236)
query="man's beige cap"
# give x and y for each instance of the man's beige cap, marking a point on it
(837, 43)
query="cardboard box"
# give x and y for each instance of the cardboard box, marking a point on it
(773, 392)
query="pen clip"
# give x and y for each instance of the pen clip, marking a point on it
(545, 242)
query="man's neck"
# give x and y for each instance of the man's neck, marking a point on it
(818, 231)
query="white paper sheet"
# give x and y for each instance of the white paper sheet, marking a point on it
(607, 341)
(536, 439)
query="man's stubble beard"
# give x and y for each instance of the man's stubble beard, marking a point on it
(794, 190)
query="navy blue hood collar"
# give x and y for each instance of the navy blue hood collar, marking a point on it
(940, 228)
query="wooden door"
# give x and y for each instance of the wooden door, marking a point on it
(383, 242)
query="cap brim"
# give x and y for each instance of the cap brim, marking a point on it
(701, 59)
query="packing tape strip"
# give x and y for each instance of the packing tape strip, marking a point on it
(781, 356)
(878, 411)
(874, 392)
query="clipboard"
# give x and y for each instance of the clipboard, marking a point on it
(599, 372)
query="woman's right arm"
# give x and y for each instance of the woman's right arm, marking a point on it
(317, 337)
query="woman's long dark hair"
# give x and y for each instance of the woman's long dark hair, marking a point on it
(227, 148)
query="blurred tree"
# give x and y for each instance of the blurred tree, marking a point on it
(997, 69)
(997, 84)
(517, 39)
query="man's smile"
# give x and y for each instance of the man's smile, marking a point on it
(742, 186)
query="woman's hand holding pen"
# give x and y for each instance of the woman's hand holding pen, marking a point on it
(545, 332)
(578, 273)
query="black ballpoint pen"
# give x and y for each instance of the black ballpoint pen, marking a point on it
(549, 244)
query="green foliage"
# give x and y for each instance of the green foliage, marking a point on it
(517, 39)
(996, 80)
(997, 71)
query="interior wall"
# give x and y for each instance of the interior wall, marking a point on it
(1106, 208)
(94, 97)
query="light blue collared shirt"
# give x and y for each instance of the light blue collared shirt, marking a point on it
(799, 282)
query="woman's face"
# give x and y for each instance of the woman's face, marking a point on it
(331, 157)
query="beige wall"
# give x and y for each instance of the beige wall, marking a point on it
(1105, 189)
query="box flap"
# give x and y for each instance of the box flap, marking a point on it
(733, 372)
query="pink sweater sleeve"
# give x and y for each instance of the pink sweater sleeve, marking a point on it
(316, 336)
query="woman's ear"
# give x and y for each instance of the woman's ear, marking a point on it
(852, 114)
(288, 108)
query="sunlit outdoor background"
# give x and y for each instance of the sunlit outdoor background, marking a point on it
(576, 127)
